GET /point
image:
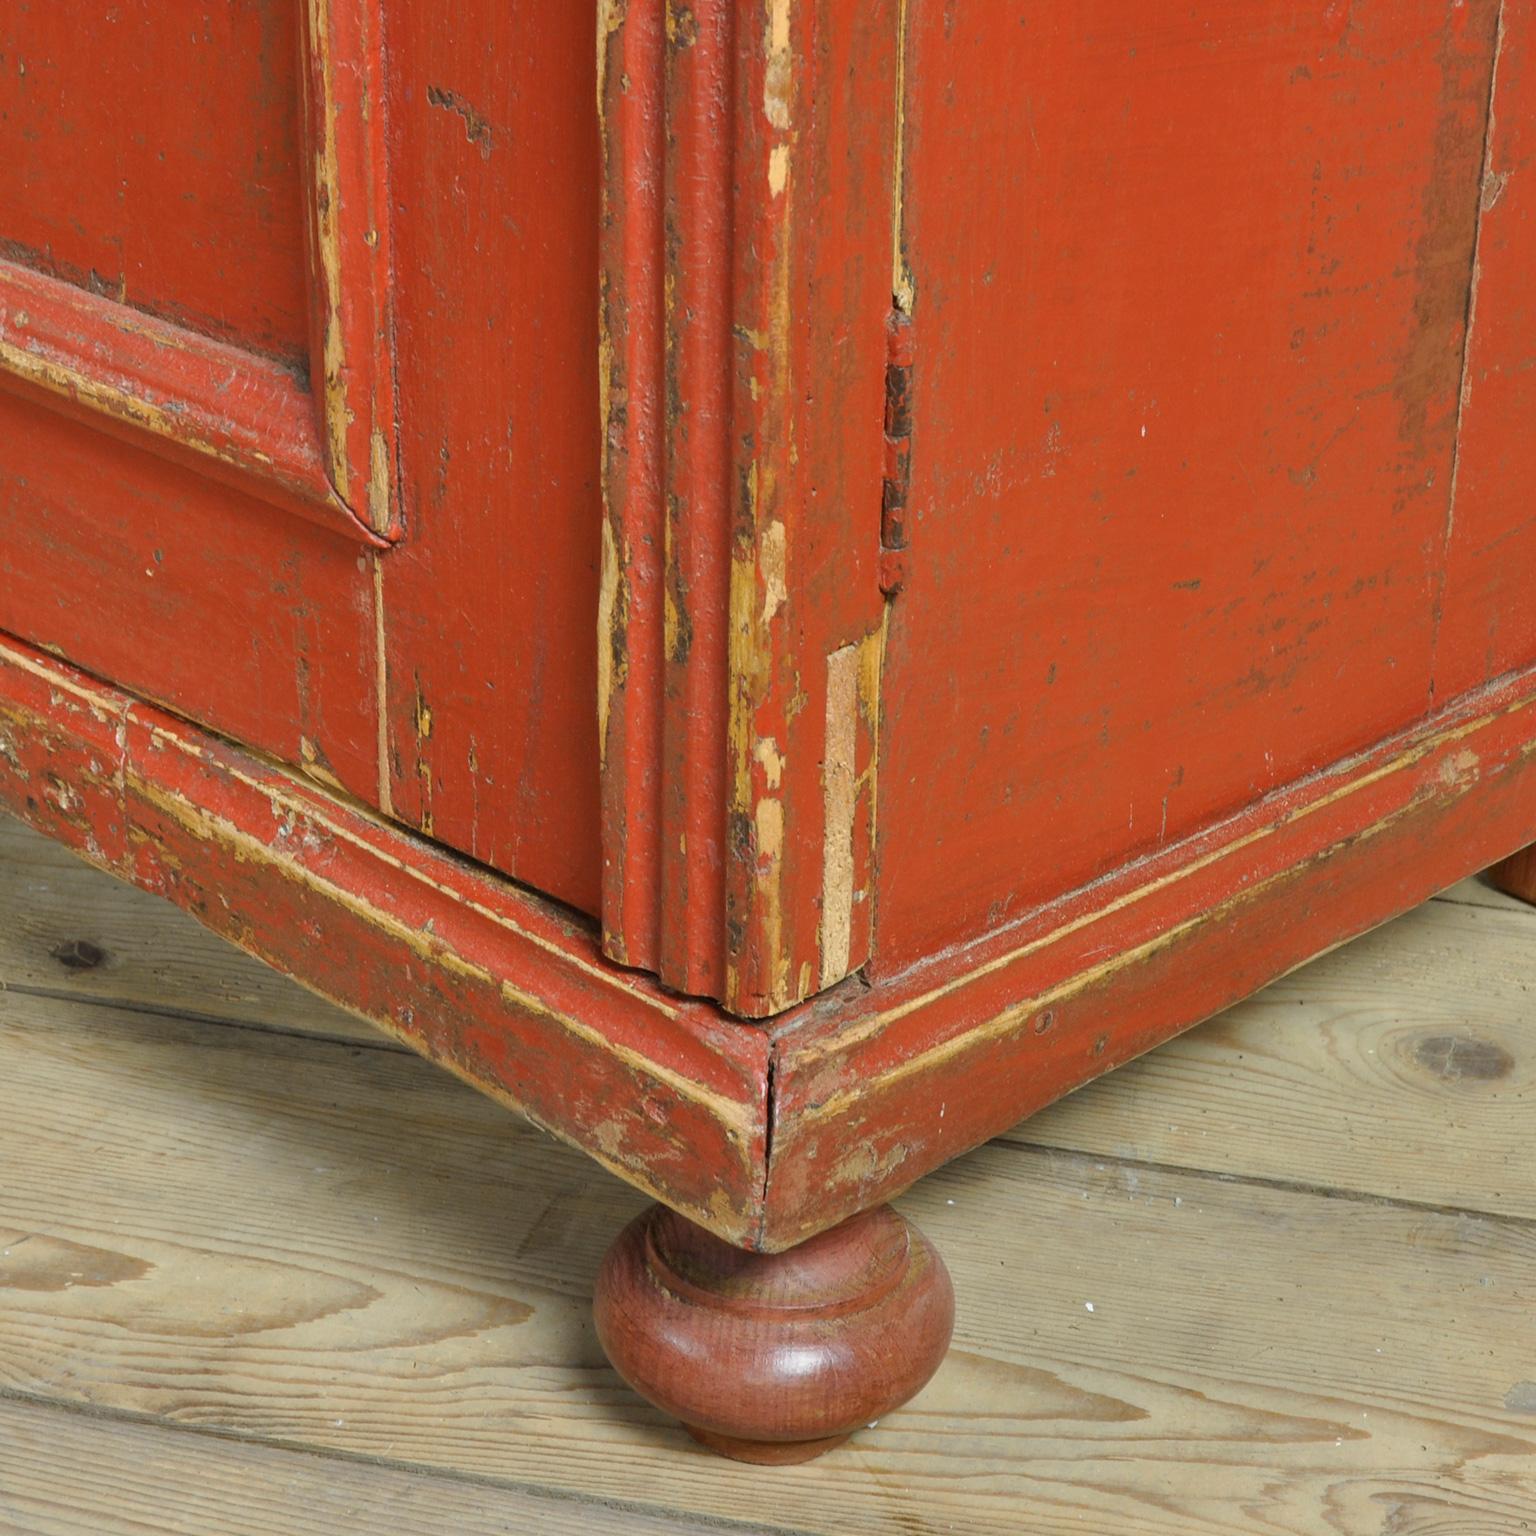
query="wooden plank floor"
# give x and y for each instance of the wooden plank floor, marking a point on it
(262, 1271)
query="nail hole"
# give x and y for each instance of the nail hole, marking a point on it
(79, 955)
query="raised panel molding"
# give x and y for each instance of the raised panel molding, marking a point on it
(322, 448)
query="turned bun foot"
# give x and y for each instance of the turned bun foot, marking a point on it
(1516, 875)
(774, 1357)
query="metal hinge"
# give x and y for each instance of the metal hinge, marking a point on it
(897, 481)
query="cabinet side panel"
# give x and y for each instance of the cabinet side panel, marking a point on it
(1486, 621)
(1190, 293)
(490, 603)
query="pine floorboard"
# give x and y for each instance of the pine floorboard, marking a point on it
(262, 1270)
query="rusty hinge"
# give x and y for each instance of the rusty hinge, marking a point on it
(897, 479)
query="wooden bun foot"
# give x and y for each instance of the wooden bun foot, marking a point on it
(1516, 875)
(774, 1357)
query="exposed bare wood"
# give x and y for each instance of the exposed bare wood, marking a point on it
(237, 842)
(1318, 1080)
(742, 356)
(237, 415)
(875, 1086)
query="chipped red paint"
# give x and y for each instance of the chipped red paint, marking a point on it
(203, 589)
(630, 639)
(865, 1089)
(254, 622)
(1485, 622)
(232, 414)
(190, 368)
(744, 457)
(489, 603)
(154, 156)
(348, 244)
(697, 177)
(482, 977)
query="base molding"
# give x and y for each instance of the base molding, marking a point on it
(763, 1134)
(504, 988)
(874, 1090)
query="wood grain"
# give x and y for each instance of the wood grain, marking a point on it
(65, 1474)
(415, 681)
(334, 1247)
(874, 1087)
(866, 1090)
(744, 394)
(774, 1358)
(1401, 1065)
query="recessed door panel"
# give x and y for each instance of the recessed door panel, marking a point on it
(159, 159)
(194, 239)
(197, 427)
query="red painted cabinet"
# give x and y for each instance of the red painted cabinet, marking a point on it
(775, 582)
(300, 412)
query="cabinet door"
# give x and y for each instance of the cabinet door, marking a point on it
(298, 390)
(196, 410)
